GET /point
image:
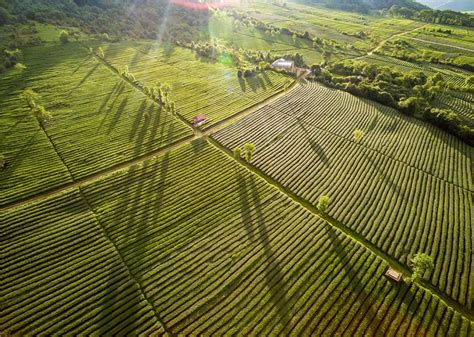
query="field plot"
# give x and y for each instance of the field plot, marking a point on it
(62, 276)
(219, 251)
(449, 35)
(461, 102)
(226, 29)
(332, 24)
(197, 86)
(406, 186)
(33, 165)
(447, 52)
(98, 119)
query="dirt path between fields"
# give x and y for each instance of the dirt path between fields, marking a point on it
(381, 43)
(441, 44)
(198, 133)
(353, 235)
(359, 239)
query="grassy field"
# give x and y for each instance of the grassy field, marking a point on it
(193, 243)
(395, 187)
(197, 86)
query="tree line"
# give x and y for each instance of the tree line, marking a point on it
(413, 93)
(446, 17)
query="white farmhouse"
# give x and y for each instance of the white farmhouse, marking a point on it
(287, 65)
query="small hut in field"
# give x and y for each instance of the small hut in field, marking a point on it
(393, 275)
(199, 120)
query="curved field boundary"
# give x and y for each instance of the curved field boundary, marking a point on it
(391, 204)
(214, 248)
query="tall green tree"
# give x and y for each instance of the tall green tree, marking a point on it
(323, 203)
(420, 263)
(237, 152)
(249, 149)
(64, 37)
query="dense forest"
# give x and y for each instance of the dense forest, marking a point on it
(136, 19)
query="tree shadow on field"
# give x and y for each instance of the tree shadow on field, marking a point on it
(243, 85)
(373, 123)
(91, 71)
(355, 282)
(79, 66)
(168, 49)
(140, 208)
(117, 92)
(266, 78)
(403, 293)
(253, 83)
(261, 83)
(137, 219)
(139, 118)
(386, 175)
(315, 147)
(117, 115)
(148, 121)
(256, 230)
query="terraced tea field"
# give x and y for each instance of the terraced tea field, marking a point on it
(197, 86)
(395, 187)
(450, 74)
(193, 243)
(62, 275)
(34, 165)
(331, 24)
(117, 218)
(98, 121)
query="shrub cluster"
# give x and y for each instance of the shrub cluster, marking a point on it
(412, 92)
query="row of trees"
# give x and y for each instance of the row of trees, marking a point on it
(413, 93)
(159, 92)
(249, 149)
(32, 99)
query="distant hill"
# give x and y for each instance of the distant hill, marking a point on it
(366, 5)
(381, 4)
(455, 5)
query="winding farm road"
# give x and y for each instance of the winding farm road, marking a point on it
(381, 43)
